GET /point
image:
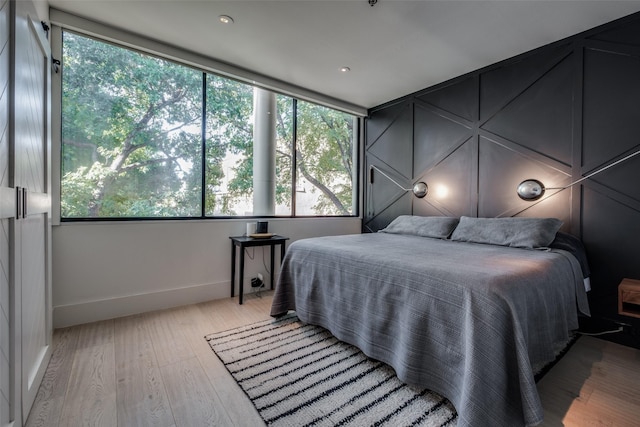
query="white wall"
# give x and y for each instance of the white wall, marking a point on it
(42, 9)
(112, 269)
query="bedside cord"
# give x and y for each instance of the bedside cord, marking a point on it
(594, 334)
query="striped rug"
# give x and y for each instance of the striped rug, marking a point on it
(300, 375)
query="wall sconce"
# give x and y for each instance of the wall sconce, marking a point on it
(532, 189)
(420, 189)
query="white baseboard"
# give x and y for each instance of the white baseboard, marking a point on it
(92, 311)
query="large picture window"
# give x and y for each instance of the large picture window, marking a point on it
(144, 137)
(324, 160)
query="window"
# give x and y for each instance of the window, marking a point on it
(324, 161)
(131, 133)
(144, 137)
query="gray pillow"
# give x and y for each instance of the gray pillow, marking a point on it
(438, 227)
(516, 232)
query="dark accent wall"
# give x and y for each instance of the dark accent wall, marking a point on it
(554, 114)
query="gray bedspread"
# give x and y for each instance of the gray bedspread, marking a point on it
(469, 321)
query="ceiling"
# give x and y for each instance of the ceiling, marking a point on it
(393, 48)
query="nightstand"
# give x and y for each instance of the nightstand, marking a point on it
(629, 298)
(242, 242)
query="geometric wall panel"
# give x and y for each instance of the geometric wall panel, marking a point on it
(623, 178)
(382, 191)
(501, 84)
(424, 208)
(395, 145)
(459, 98)
(451, 184)
(501, 170)
(625, 34)
(382, 218)
(435, 136)
(381, 119)
(610, 234)
(611, 106)
(540, 118)
(554, 205)
(389, 147)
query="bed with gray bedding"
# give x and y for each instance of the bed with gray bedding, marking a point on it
(468, 320)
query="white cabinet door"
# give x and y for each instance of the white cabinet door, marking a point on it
(10, 409)
(32, 228)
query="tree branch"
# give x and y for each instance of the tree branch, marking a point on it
(148, 162)
(325, 190)
(127, 149)
(342, 145)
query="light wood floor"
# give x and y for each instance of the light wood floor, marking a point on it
(156, 369)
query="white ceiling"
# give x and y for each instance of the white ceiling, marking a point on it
(393, 48)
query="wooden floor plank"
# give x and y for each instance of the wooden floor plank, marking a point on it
(594, 384)
(165, 355)
(191, 394)
(140, 393)
(169, 342)
(231, 397)
(47, 407)
(91, 392)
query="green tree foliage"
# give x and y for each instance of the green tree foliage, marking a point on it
(229, 131)
(131, 133)
(132, 139)
(325, 156)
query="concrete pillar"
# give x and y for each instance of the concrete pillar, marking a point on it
(264, 152)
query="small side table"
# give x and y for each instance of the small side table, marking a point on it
(242, 242)
(629, 298)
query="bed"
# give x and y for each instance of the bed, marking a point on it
(466, 307)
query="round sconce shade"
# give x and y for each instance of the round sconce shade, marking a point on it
(530, 189)
(420, 189)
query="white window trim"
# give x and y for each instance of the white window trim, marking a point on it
(56, 126)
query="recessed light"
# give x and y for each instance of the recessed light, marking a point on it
(345, 69)
(225, 19)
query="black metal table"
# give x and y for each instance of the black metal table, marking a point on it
(246, 242)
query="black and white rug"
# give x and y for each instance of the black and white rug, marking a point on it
(300, 375)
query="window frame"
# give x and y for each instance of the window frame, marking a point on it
(57, 47)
